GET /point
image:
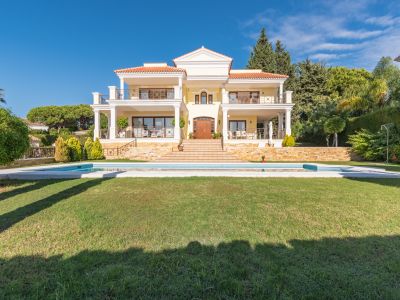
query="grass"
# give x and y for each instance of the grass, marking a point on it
(200, 238)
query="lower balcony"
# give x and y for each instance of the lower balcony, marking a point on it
(148, 132)
(254, 134)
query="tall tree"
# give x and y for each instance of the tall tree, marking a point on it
(283, 64)
(387, 70)
(263, 56)
(2, 100)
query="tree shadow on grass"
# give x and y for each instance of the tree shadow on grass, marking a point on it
(21, 187)
(392, 182)
(9, 219)
(367, 267)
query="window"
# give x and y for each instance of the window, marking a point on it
(196, 99)
(210, 99)
(237, 126)
(203, 97)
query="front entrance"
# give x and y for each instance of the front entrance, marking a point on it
(203, 128)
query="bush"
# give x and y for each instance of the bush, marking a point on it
(65, 133)
(217, 135)
(372, 146)
(97, 150)
(87, 149)
(14, 137)
(288, 141)
(122, 123)
(61, 152)
(74, 149)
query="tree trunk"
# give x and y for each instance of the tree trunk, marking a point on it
(336, 139)
(327, 140)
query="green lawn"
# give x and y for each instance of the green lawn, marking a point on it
(200, 238)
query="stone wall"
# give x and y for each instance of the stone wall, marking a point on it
(143, 151)
(251, 152)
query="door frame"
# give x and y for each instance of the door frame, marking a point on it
(212, 124)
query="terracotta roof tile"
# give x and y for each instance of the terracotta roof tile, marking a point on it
(256, 75)
(155, 69)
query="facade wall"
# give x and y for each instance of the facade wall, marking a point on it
(251, 152)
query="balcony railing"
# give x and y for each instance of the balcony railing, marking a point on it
(151, 94)
(253, 134)
(262, 100)
(153, 132)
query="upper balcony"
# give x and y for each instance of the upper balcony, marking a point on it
(138, 94)
(253, 97)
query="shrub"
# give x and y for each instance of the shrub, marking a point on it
(87, 149)
(65, 133)
(372, 146)
(61, 152)
(288, 141)
(97, 150)
(217, 135)
(122, 123)
(14, 137)
(74, 149)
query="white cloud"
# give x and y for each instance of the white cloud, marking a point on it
(339, 31)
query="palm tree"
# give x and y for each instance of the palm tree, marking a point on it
(2, 100)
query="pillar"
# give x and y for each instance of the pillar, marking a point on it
(280, 125)
(288, 129)
(270, 132)
(121, 89)
(281, 92)
(113, 122)
(96, 132)
(225, 124)
(177, 129)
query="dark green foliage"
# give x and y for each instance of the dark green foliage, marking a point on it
(74, 149)
(387, 70)
(334, 125)
(372, 146)
(68, 116)
(374, 120)
(61, 152)
(262, 56)
(14, 137)
(2, 100)
(283, 64)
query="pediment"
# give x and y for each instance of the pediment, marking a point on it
(202, 55)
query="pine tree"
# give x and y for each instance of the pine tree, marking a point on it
(263, 56)
(284, 64)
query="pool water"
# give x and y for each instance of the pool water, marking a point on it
(263, 167)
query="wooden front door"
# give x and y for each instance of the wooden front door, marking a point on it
(203, 129)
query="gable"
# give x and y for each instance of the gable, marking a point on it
(202, 55)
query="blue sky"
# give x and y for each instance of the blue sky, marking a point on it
(58, 52)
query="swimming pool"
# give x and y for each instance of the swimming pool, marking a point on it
(153, 169)
(261, 167)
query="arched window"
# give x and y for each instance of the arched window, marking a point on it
(203, 98)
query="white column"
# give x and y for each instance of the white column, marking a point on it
(130, 129)
(112, 92)
(180, 88)
(225, 97)
(225, 124)
(177, 129)
(96, 132)
(288, 129)
(113, 121)
(271, 132)
(288, 96)
(280, 92)
(280, 125)
(121, 88)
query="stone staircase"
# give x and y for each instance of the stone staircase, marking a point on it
(199, 151)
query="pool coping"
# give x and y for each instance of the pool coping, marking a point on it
(32, 173)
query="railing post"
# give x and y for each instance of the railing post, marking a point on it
(96, 98)
(113, 92)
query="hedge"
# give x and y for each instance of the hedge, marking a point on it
(374, 120)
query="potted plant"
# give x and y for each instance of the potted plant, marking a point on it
(263, 158)
(180, 146)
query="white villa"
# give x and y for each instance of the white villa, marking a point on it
(200, 96)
